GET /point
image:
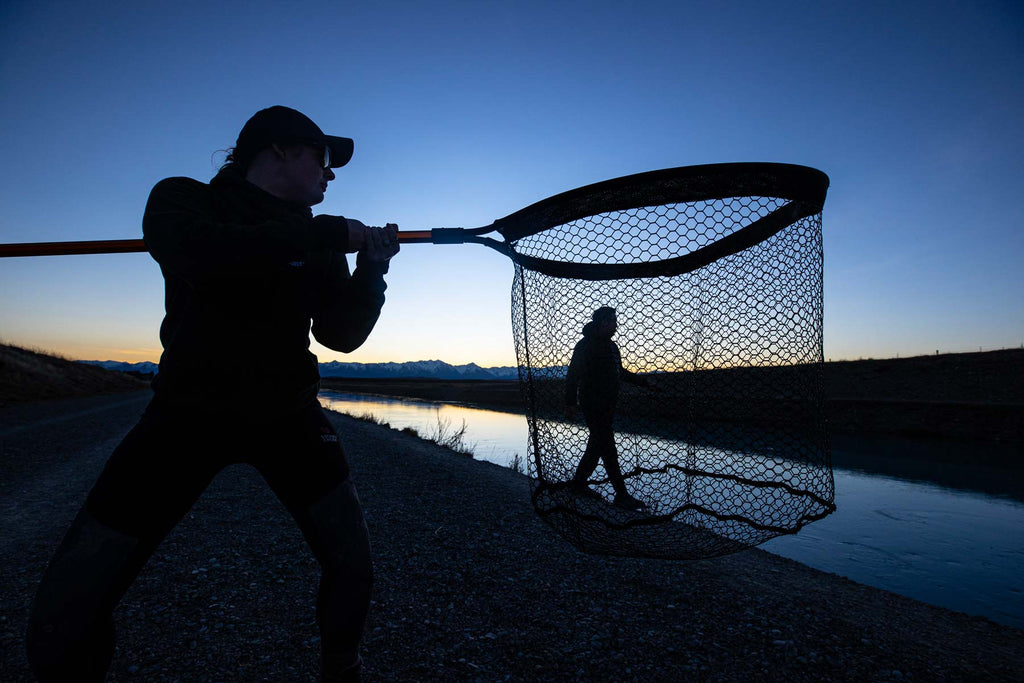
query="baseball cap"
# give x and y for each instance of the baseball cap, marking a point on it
(283, 125)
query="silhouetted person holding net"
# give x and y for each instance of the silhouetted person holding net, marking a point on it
(594, 374)
(248, 272)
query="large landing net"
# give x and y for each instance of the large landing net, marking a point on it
(718, 423)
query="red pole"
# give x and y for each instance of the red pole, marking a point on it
(131, 246)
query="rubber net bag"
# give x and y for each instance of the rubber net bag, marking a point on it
(714, 274)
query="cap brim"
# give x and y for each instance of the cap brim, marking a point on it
(341, 150)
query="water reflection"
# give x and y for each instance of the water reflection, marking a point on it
(988, 468)
(950, 548)
(958, 549)
(493, 436)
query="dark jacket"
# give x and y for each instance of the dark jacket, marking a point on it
(594, 372)
(245, 275)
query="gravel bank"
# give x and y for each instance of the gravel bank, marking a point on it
(470, 585)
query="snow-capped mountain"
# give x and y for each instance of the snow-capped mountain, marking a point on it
(430, 369)
(427, 369)
(145, 367)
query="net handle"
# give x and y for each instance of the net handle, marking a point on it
(438, 236)
(71, 248)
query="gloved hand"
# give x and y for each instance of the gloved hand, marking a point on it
(372, 243)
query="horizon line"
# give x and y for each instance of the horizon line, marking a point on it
(898, 356)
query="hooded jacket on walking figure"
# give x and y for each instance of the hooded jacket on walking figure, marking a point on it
(594, 373)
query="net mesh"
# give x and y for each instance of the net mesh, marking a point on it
(718, 425)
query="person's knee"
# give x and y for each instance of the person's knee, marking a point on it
(340, 538)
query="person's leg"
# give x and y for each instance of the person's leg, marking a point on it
(602, 445)
(337, 533)
(71, 629)
(588, 463)
(605, 439)
(309, 473)
(600, 448)
(610, 458)
(138, 498)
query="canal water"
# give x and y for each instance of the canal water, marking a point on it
(939, 522)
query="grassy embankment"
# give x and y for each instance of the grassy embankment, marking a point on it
(27, 375)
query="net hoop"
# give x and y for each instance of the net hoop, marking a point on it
(804, 188)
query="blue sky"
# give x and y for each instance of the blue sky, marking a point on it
(464, 112)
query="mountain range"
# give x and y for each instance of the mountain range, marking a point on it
(424, 369)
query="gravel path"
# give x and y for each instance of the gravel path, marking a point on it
(470, 584)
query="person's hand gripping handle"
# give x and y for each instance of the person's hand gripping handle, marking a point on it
(373, 243)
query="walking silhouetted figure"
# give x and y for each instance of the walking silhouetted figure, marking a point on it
(593, 378)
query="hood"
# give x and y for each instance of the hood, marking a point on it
(591, 330)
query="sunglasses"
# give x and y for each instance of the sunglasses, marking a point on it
(325, 153)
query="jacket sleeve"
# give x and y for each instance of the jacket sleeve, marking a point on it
(184, 238)
(349, 305)
(572, 376)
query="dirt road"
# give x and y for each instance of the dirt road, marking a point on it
(470, 584)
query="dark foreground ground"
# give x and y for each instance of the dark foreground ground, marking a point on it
(470, 584)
